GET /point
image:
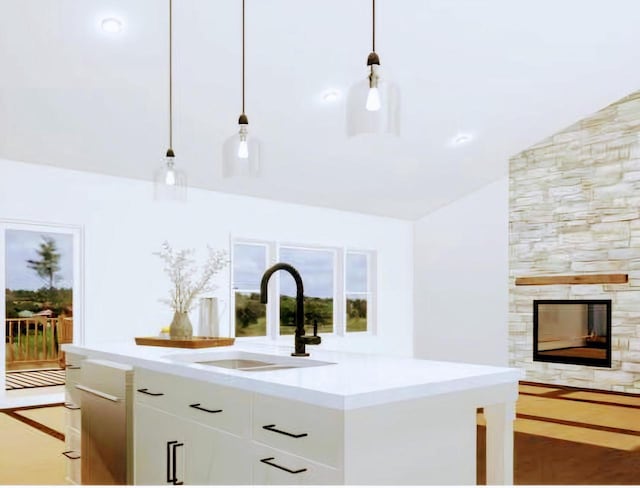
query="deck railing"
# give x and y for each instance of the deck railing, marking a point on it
(34, 340)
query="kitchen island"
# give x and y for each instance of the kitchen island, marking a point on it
(252, 414)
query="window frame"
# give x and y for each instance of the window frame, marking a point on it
(369, 294)
(273, 252)
(233, 290)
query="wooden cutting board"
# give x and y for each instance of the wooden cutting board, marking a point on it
(195, 342)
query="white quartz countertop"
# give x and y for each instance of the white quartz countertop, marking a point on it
(351, 381)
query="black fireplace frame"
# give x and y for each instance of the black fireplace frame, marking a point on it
(549, 358)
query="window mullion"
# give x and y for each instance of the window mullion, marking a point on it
(340, 295)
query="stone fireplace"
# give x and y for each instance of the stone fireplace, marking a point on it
(574, 209)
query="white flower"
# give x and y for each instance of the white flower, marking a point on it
(181, 268)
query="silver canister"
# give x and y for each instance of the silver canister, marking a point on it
(208, 323)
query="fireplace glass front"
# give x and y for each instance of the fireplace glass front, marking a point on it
(572, 331)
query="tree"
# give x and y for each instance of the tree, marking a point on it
(48, 265)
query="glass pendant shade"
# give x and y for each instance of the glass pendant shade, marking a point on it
(170, 183)
(241, 155)
(373, 109)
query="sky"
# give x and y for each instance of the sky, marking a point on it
(22, 245)
(315, 267)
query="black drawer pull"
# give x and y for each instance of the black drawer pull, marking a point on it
(70, 456)
(198, 407)
(175, 462)
(169, 460)
(147, 392)
(71, 406)
(71, 366)
(267, 461)
(273, 429)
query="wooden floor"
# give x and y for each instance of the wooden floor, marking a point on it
(568, 437)
(562, 437)
(31, 447)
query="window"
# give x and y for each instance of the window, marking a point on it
(317, 270)
(249, 263)
(337, 289)
(357, 291)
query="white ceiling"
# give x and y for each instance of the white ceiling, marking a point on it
(510, 71)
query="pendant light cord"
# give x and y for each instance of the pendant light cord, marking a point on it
(373, 29)
(170, 74)
(243, 56)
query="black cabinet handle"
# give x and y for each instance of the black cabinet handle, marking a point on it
(268, 461)
(273, 429)
(70, 456)
(169, 459)
(71, 406)
(198, 407)
(71, 366)
(172, 446)
(147, 392)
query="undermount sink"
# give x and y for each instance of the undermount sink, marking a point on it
(245, 361)
(244, 364)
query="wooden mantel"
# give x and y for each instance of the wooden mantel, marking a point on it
(592, 279)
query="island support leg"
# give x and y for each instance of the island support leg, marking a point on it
(499, 419)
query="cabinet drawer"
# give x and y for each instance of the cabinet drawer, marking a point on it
(274, 467)
(73, 367)
(299, 428)
(72, 416)
(223, 408)
(72, 456)
(72, 395)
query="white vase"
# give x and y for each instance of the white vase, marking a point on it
(208, 323)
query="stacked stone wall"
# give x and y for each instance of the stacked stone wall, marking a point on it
(575, 209)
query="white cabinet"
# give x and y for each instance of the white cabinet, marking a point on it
(174, 440)
(193, 432)
(209, 434)
(163, 444)
(72, 403)
(298, 428)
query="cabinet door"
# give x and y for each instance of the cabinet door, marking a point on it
(230, 463)
(159, 447)
(169, 448)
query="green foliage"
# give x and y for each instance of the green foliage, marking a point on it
(48, 265)
(250, 315)
(356, 315)
(320, 309)
(58, 300)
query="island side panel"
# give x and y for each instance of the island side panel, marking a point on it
(428, 441)
(499, 419)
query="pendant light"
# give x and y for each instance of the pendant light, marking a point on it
(241, 151)
(372, 103)
(170, 183)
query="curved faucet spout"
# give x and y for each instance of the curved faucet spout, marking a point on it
(300, 340)
(299, 291)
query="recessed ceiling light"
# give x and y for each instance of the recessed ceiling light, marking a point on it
(461, 139)
(111, 25)
(331, 95)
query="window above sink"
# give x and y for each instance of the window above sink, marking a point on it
(339, 289)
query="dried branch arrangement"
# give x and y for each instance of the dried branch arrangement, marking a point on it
(181, 268)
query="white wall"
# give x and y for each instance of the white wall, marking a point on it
(461, 279)
(123, 225)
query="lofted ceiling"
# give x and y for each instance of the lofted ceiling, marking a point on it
(508, 72)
